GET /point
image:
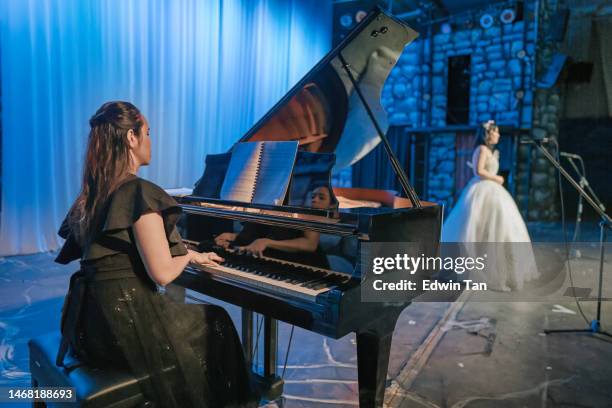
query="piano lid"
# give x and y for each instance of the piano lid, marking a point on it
(323, 112)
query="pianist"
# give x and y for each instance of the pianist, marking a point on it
(122, 228)
(284, 243)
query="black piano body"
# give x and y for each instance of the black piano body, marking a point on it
(335, 114)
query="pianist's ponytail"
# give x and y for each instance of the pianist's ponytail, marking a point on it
(107, 163)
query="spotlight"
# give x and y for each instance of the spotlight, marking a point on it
(360, 15)
(507, 16)
(346, 20)
(486, 21)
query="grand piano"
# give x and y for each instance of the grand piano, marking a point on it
(335, 114)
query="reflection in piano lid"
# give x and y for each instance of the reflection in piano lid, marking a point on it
(334, 124)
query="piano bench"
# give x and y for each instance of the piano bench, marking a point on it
(92, 387)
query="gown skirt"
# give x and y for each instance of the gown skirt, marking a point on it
(487, 213)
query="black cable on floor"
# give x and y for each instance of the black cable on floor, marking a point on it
(287, 353)
(259, 323)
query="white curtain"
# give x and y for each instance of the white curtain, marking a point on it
(201, 71)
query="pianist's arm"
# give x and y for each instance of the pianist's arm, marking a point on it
(308, 243)
(154, 250)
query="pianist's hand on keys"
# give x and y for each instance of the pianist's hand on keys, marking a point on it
(205, 258)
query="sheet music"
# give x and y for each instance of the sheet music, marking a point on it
(259, 172)
(275, 170)
(241, 176)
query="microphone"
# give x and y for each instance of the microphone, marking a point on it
(570, 155)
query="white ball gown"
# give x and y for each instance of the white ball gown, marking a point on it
(486, 212)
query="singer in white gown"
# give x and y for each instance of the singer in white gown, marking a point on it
(486, 212)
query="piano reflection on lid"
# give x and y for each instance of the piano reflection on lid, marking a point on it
(284, 243)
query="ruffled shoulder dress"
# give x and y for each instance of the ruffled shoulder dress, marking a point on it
(184, 355)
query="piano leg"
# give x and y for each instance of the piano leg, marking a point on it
(273, 384)
(269, 385)
(247, 336)
(373, 348)
(270, 346)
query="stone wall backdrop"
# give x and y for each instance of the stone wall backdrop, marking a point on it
(543, 191)
(501, 77)
(415, 92)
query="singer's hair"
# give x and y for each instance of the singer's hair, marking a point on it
(482, 134)
(107, 163)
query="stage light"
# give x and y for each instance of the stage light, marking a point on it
(507, 16)
(346, 20)
(360, 15)
(486, 21)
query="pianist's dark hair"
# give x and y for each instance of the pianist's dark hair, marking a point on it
(106, 165)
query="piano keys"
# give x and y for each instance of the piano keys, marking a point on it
(271, 275)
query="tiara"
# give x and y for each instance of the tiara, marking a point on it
(489, 124)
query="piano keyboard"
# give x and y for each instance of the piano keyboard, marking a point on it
(275, 275)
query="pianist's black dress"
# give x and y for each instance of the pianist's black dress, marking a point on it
(115, 316)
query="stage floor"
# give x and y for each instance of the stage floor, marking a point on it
(461, 354)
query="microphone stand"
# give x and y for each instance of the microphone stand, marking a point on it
(584, 183)
(604, 225)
